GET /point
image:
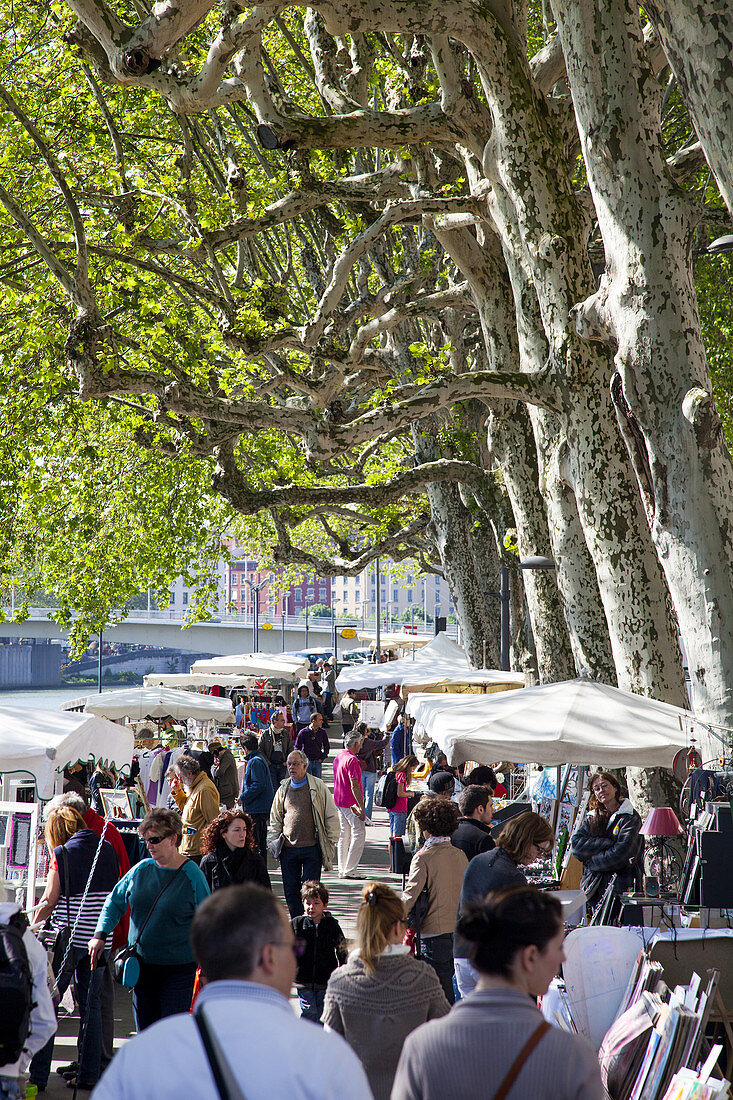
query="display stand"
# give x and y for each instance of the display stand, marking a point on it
(19, 850)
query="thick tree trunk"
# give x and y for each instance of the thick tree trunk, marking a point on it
(525, 160)
(646, 305)
(511, 445)
(452, 532)
(697, 37)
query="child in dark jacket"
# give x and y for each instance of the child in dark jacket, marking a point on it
(324, 949)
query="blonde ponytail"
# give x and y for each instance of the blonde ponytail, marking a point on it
(380, 910)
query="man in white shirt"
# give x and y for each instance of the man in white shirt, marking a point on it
(243, 942)
(42, 1022)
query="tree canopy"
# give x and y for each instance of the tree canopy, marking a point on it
(366, 278)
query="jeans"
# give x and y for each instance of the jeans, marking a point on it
(351, 840)
(368, 779)
(311, 1003)
(162, 991)
(466, 976)
(89, 1043)
(278, 773)
(298, 865)
(438, 951)
(315, 767)
(10, 1088)
(397, 822)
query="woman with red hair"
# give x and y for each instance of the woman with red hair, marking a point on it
(230, 854)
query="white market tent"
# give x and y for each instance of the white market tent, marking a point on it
(42, 743)
(270, 666)
(189, 681)
(159, 703)
(572, 722)
(441, 661)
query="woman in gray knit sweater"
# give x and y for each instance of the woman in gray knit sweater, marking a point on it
(382, 993)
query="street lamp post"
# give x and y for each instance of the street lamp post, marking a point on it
(255, 589)
(378, 639)
(334, 601)
(503, 595)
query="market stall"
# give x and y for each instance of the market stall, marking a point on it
(159, 702)
(194, 681)
(274, 666)
(571, 722)
(35, 747)
(442, 663)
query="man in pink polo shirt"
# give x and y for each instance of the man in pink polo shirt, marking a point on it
(349, 799)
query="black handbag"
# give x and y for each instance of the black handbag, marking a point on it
(126, 963)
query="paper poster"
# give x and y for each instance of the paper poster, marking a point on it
(371, 712)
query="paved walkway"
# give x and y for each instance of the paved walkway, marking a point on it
(345, 898)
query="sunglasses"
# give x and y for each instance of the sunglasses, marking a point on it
(156, 839)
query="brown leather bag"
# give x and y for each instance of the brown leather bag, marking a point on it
(518, 1064)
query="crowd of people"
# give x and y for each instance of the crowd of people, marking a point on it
(437, 995)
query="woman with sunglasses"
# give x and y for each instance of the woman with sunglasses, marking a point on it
(607, 842)
(523, 840)
(166, 889)
(383, 992)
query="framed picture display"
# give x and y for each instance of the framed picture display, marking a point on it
(116, 802)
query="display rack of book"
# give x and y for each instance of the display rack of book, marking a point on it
(656, 1049)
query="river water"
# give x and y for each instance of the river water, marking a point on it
(43, 698)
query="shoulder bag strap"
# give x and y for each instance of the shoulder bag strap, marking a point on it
(65, 859)
(226, 1083)
(170, 882)
(518, 1064)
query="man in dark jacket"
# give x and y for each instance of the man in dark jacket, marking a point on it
(257, 790)
(224, 774)
(473, 834)
(313, 741)
(276, 745)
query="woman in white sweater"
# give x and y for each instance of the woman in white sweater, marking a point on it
(382, 993)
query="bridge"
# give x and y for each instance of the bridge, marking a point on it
(223, 635)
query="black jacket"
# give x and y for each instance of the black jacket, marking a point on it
(226, 868)
(614, 851)
(472, 837)
(489, 871)
(325, 949)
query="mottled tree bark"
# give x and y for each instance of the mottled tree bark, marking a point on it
(646, 308)
(452, 532)
(697, 37)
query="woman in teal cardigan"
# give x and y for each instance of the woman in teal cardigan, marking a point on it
(167, 889)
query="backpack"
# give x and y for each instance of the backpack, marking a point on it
(385, 792)
(16, 986)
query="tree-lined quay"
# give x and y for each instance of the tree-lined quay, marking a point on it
(368, 278)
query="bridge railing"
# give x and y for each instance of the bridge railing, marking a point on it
(317, 623)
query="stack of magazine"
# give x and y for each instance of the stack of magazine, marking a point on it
(655, 1035)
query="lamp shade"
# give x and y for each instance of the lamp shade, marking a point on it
(661, 821)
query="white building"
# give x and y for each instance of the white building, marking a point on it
(399, 592)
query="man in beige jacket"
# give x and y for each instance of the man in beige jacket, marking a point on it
(304, 828)
(198, 801)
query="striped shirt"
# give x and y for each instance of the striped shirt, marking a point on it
(80, 850)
